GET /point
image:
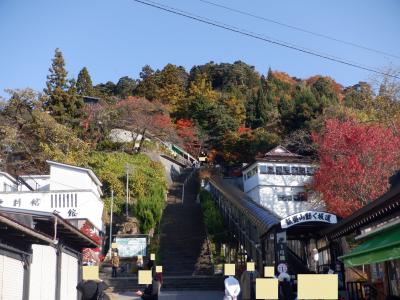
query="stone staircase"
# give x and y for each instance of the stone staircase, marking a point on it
(183, 243)
(183, 252)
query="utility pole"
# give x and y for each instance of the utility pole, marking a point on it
(111, 217)
(127, 190)
(129, 169)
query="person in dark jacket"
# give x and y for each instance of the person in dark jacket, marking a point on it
(92, 290)
(152, 290)
(285, 288)
(286, 291)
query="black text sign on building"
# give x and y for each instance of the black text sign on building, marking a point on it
(308, 216)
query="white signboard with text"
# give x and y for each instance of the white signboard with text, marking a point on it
(131, 246)
(308, 216)
(79, 204)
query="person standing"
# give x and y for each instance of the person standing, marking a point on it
(285, 287)
(114, 264)
(139, 262)
(232, 288)
(248, 284)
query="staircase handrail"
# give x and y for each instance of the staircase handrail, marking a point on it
(299, 265)
(296, 255)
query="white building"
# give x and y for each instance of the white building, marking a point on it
(277, 181)
(7, 183)
(72, 192)
(40, 256)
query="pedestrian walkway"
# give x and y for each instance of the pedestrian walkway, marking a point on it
(171, 295)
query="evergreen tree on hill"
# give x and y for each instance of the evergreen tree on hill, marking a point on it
(147, 86)
(84, 85)
(125, 87)
(62, 102)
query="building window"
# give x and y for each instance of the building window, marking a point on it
(310, 171)
(271, 170)
(284, 197)
(302, 196)
(263, 169)
(279, 170)
(252, 172)
(302, 171)
(295, 170)
(286, 170)
(296, 198)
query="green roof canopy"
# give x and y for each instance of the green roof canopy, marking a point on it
(382, 246)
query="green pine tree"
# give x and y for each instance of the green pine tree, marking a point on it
(63, 102)
(84, 85)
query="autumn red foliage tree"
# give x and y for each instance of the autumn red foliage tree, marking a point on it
(187, 131)
(144, 117)
(356, 161)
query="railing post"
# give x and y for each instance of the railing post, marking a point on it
(183, 191)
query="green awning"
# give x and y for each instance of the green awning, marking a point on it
(382, 246)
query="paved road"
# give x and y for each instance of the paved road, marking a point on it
(170, 295)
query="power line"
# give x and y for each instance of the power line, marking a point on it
(259, 37)
(301, 29)
(257, 34)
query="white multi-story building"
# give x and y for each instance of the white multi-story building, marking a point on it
(278, 180)
(72, 192)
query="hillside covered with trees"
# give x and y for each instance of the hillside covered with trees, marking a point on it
(230, 110)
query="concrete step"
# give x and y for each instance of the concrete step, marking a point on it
(170, 283)
(193, 282)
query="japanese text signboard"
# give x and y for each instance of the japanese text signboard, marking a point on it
(131, 246)
(308, 216)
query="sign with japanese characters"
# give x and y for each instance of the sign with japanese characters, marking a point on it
(131, 246)
(308, 216)
(69, 204)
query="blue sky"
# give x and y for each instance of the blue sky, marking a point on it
(116, 38)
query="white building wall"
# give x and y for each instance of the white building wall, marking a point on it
(275, 180)
(265, 189)
(6, 184)
(255, 195)
(283, 209)
(250, 183)
(43, 273)
(11, 278)
(66, 178)
(73, 204)
(70, 191)
(37, 182)
(69, 277)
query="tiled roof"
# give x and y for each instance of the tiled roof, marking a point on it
(281, 151)
(281, 154)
